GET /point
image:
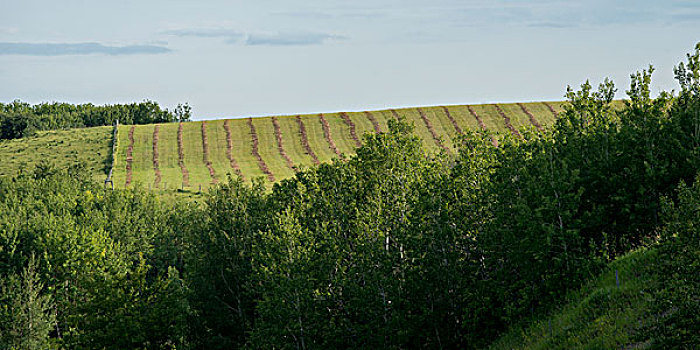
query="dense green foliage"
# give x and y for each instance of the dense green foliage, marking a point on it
(394, 248)
(19, 119)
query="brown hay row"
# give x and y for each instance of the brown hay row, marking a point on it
(481, 124)
(351, 125)
(305, 141)
(156, 163)
(205, 154)
(327, 134)
(181, 157)
(551, 109)
(130, 156)
(280, 147)
(533, 121)
(229, 151)
(507, 121)
(395, 114)
(372, 119)
(256, 153)
(429, 125)
(452, 120)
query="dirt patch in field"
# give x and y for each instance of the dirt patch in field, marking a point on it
(205, 154)
(452, 120)
(551, 109)
(156, 163)
(229, 151)
(328, 136)
(305, 140)
(507, 121)
(372, 119)
(280, 146)
(130, 156)
(481, 124)
(429, 125)
(533, 121)
(351, 125)
(256, 153)
(181, 157)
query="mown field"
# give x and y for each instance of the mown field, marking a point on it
(195, 155)
(275, 147)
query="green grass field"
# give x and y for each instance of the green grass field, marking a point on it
(63, 148)
(606, 313)
(92, 145)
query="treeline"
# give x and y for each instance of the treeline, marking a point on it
(19, 119)
(394, 248)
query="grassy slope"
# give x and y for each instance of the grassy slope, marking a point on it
(62, 147)
(92, 144)
(598, 316)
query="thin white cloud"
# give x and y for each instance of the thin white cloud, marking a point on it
(206, 33)
(63, 49)
(292, 39)
(233, 36)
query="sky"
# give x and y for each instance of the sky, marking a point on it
(265, 57)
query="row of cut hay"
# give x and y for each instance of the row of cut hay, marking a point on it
(551, 109)
(506, 119)
(205, 154)
(181, 157)
(532, 118)
(256, 153)
(305, 140)
(229, 151)
(156, 162)
(280, 146)
(482, 125)
(130, 156)
(452, 120)
(374, 122)
(351, 125)
(328, 136)
(431, 129)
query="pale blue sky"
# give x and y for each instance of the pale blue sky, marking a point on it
(241, 58)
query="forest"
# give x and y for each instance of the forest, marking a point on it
(393, 248)
(20, 119)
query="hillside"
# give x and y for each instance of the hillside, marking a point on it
(201, 153)
(609, 312)
(88, 146)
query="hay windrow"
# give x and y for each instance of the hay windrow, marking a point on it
(429, 125)
(181, 157)
(374, 122)
(229, 151)
(328, 136)
(551, 109)
(305, 140)
(452, 120)
(351, 125)
(261, 163)
(507, 121)
(280, 146)
(156, 162)
(130, 156)
(205, 154)
(533, 121)
(481, 124)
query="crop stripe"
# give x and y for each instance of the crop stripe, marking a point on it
(229, 151)
(256, 153)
